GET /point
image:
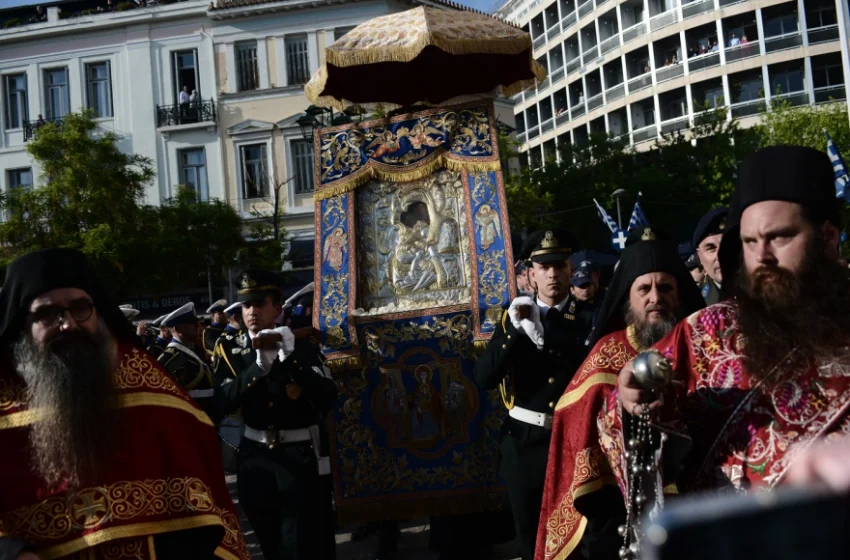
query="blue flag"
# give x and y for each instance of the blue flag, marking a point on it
(839, 168)
(638, 218)
(608, 220)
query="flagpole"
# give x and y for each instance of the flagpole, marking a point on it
(617, 195)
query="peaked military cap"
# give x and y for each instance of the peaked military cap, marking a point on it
(129, 311)
(217, 306)
(234, 309)
(713, 223)
(158, 321)
(549, 245)
(693, 262)
(185, 314)
(255, 284)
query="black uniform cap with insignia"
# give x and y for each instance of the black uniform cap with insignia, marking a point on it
(787, 173)
(713, 223)
(549, 245)
(255, 284)
(693, 262)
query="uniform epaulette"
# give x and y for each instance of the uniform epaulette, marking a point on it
(505, 320)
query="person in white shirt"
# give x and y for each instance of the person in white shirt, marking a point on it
(184, 98)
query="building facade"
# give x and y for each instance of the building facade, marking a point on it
(645, 68)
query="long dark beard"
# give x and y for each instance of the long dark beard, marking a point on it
(70, 380)
(648, 333)
(779, 311)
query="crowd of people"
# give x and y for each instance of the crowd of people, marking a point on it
(108, 437)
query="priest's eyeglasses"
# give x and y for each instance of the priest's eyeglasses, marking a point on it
(50, 316)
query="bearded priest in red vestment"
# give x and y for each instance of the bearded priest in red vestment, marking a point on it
(104, 456)
(758, 379)
(650, 292)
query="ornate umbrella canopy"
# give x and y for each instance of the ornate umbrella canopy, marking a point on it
(425, 56)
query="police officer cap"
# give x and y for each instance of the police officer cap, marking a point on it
(255, 284)
(549, 245)
(234, 309)
(713, 223)
(185, 314)
(583, 274)
(217, 306)
(693, 262)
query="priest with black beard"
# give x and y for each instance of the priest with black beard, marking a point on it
(582, 507)
(102, 451)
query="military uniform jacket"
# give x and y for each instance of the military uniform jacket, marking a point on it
(192, 373)
(710, 292)
(157, 346)
(265, 401)
(538, 378)
(211, 336)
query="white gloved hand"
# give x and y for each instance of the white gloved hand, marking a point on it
(531, 326)
(288, 344)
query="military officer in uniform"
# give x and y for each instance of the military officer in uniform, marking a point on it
(533, 354)
(234, 320)
(216, 329)
(156, 344)
(586, 295)
(282, 389)
(184, 360)
(706, 239)
(129, 312)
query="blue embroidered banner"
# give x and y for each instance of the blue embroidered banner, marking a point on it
(413, 268)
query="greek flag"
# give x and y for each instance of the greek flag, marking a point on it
(608, 220)
(638, 218)
(838, 167)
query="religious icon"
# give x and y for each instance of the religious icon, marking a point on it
(487, 223)
(419, 137)
(387, 143)
(335, 247)
(425, 406)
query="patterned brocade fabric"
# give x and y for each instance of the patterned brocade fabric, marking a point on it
(577, 464)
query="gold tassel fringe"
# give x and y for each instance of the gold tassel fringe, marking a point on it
(340, 365)
(371, 171)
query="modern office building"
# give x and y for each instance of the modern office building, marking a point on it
(645, 68)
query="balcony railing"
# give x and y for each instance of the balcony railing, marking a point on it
(569, 20)
(186, 113)
(609, 44)
(641, 82)
(521, 137)
(547, 125)
(615, 92)
(563, 118)
(557, 75)
(703, 61)
(553, 32)
(742, 51)
(730, 2)
(794, 98)
(543, 85)
(31, 127)
(600, 2)
(672, 125)
(634, 32)
(669, 72)
(696, 8)
(533, 132)
(830, 93)
(594, 102)
(590, 54)
(585, 9)
(578, 110)
(663, 20)
(643, 134)
(823, 34)
(573, 65)
(748, 108)
(782, 42)
(540, 41)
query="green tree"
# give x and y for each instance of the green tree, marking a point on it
(88, 196)
(266, 234)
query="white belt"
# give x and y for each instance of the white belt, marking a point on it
(530, 417)
(202, 393)
(270, 437)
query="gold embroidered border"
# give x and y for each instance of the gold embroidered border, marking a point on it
(371, 170)
(573, 542)
(152, 547)
(27, 417)
(631, 335)
(593, 486)
(576, 394)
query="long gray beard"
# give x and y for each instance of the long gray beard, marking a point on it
(70, 381)
(647, 334)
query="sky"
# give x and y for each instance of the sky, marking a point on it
(483, 5)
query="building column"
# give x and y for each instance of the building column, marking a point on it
(280, 49)
(651, 49)
(689, 98)
(683, 40)
(313, 51)
(230, 62)
(619, 23)
(760, 28)
(263, 63)
(765, 78)
(721, 42)
(843, 17)
(727, 96)
(625, 75)
(809, 82)
(802, 23)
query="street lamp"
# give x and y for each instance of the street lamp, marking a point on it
(319, 117)
(618, 194)
(307, 124)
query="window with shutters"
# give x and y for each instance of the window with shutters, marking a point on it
(99, 88)
(302, 162)
(254, 171)
(20, 178)
(193, 172)
(56, 95)
(297, 61)
(247, 69)
(15, 88)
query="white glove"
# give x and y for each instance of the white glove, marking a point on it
(532, 326)
(288, 344)
(265, 358)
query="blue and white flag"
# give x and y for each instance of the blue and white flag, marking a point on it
(838, 167)
(638, 218)
(608, 220)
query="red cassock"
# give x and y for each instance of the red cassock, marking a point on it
(577, 465)
(741, 433)
(164, 475)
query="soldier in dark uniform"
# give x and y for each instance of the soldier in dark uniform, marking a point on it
(282, 389)
(707, 237)
(587, 296)
(156, 344)
(183, 359)
(694, 267)
(216, 328)
(534, 353)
